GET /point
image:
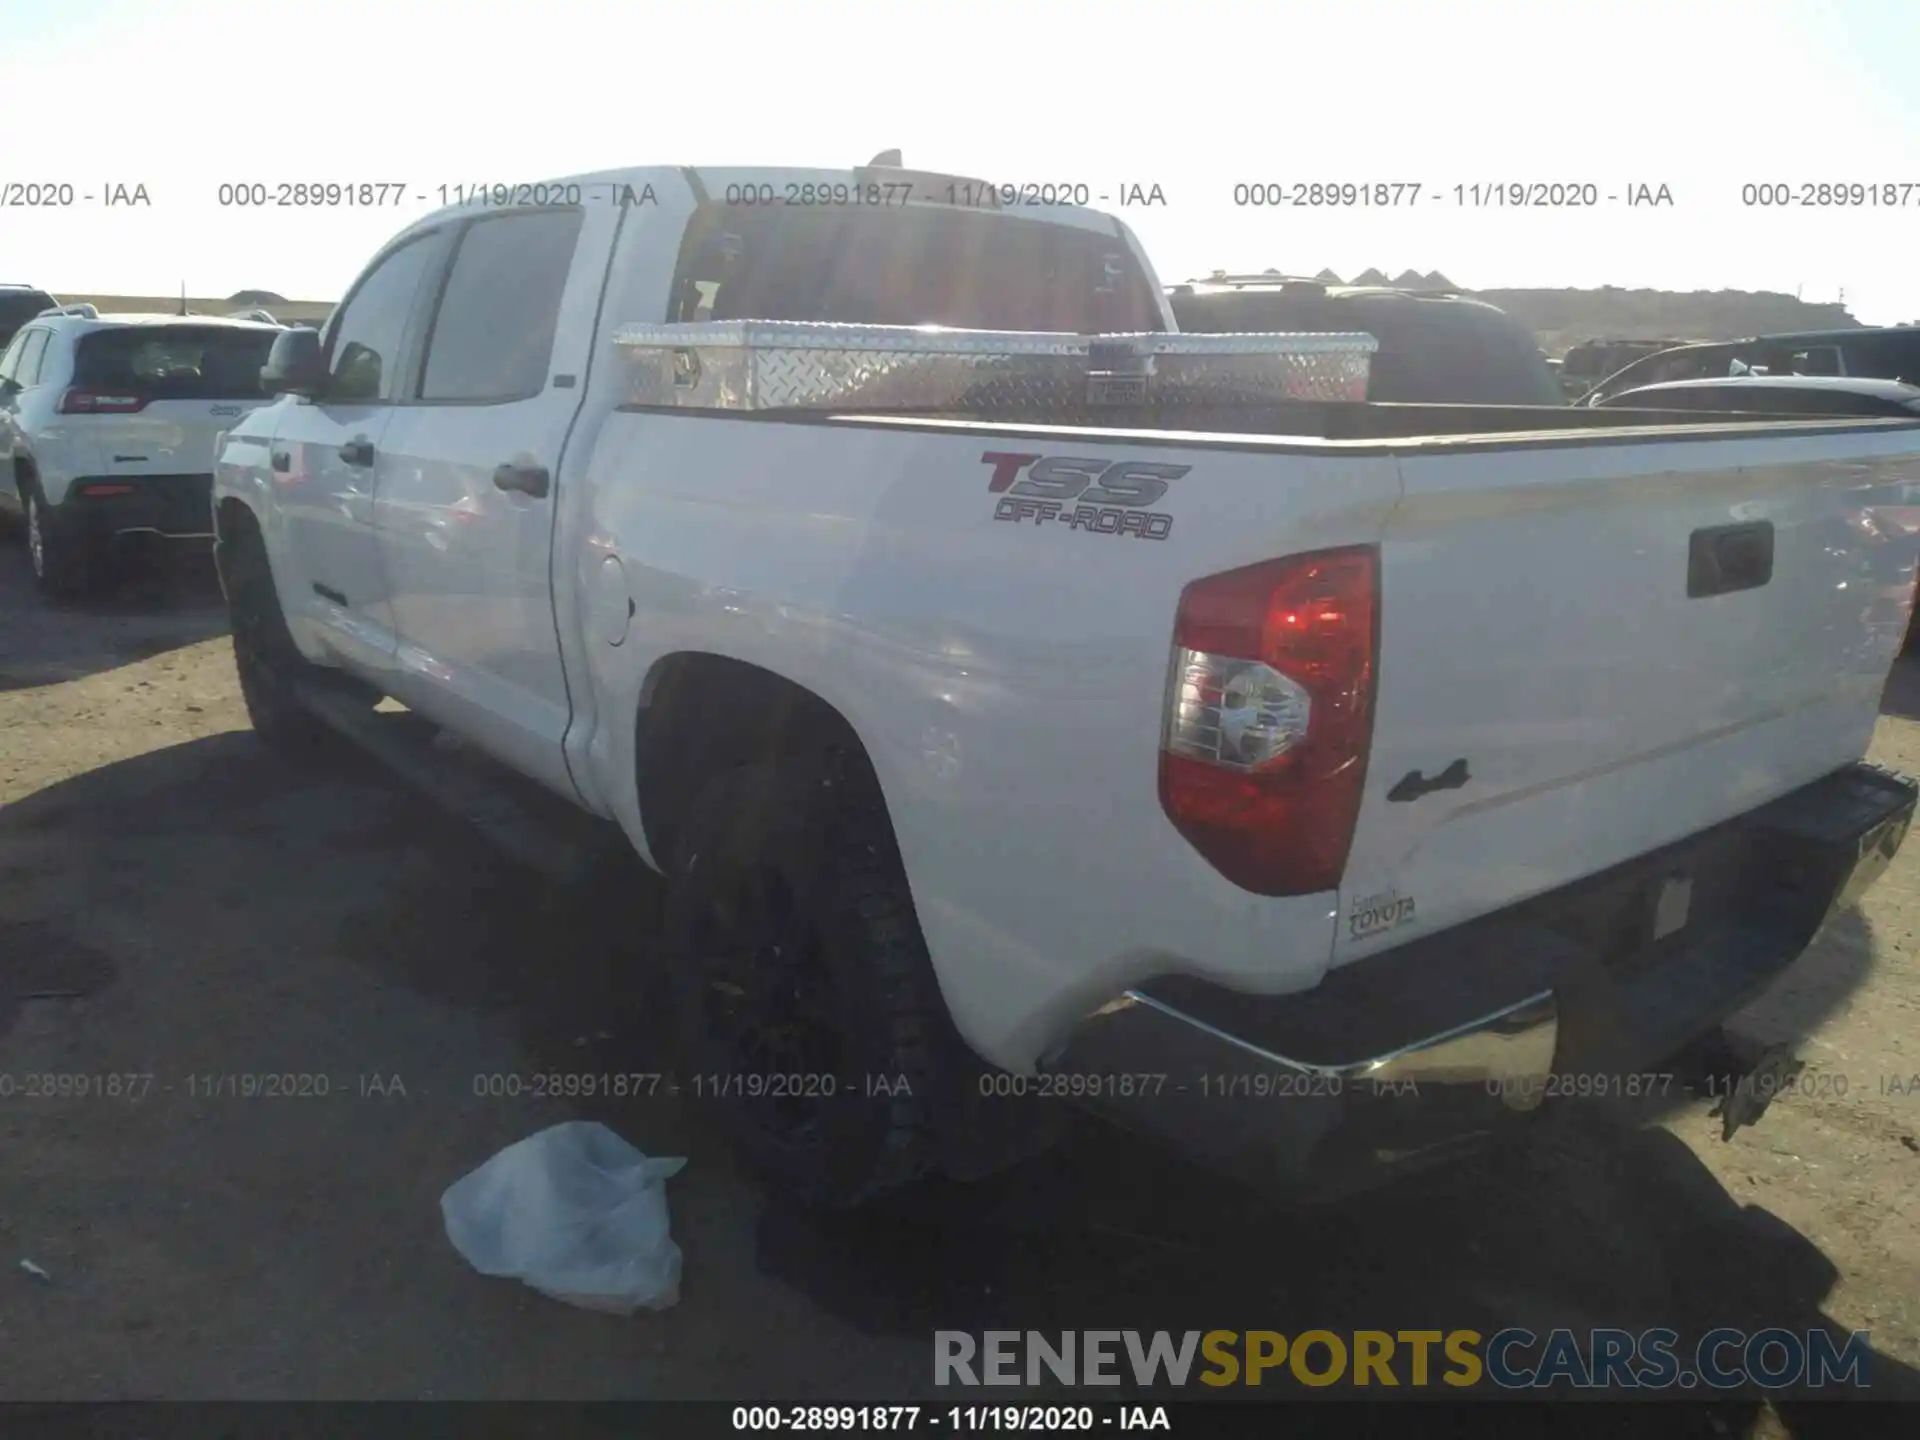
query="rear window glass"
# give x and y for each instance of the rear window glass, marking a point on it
(910, 265)
(174, 362)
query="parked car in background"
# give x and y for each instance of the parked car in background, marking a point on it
(19, 304)
(108, 427)
(1436, 346)
(1880, 353)
(1591, 361)
(1770, 394)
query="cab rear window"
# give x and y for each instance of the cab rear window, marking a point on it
(177, 362)
(910, 265)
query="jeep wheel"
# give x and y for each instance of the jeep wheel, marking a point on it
(807, 1008)
(270, 666)
(62, 563)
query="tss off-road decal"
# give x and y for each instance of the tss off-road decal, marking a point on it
(1102, 497)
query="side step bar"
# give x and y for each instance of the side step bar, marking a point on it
(540, 831)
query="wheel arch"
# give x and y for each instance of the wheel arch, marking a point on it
(702, 714)
(233, 520)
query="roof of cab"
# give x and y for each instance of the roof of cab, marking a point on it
(605, 186)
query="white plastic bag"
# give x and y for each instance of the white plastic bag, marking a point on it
(575, 1212)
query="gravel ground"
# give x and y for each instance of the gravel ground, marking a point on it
(176, 904)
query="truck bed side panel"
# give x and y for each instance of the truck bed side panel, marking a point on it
(1006, 676)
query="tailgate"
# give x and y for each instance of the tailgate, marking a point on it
(169, 437)
(159, 395)
(1590, 650)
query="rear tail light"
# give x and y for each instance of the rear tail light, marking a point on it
(97, 402)
(1270, 715)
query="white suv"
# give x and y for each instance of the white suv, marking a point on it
(109, 425)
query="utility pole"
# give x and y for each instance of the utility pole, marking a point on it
(183, 297)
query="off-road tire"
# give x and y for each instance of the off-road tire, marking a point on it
(820, 833)
(270, 666)
(64, 565)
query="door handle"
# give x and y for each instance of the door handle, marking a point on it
(527, 479)
(357, 451)
(282, 461)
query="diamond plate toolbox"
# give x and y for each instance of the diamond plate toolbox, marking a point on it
(796, 365)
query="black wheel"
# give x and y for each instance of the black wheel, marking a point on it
(270, 666)
(806, 1005)
(63, 563)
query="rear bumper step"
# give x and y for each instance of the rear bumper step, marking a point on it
(1434, 1048)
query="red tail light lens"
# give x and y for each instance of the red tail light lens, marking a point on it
(1270, 715)
(95, 402)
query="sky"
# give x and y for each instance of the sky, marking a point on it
(1704, 98)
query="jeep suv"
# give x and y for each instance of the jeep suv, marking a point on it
(109, 425)
(1885, 352)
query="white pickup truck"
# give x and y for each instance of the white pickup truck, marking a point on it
(1313, 783)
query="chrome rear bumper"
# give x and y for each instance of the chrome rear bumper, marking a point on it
(1433, 1049)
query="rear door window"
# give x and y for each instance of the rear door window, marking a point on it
(27, 371)
(174, 362)
(492, 338)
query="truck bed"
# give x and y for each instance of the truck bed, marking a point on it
(1539, 623)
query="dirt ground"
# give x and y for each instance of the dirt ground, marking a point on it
(176, 904)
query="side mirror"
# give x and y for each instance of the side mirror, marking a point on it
(295, 365)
